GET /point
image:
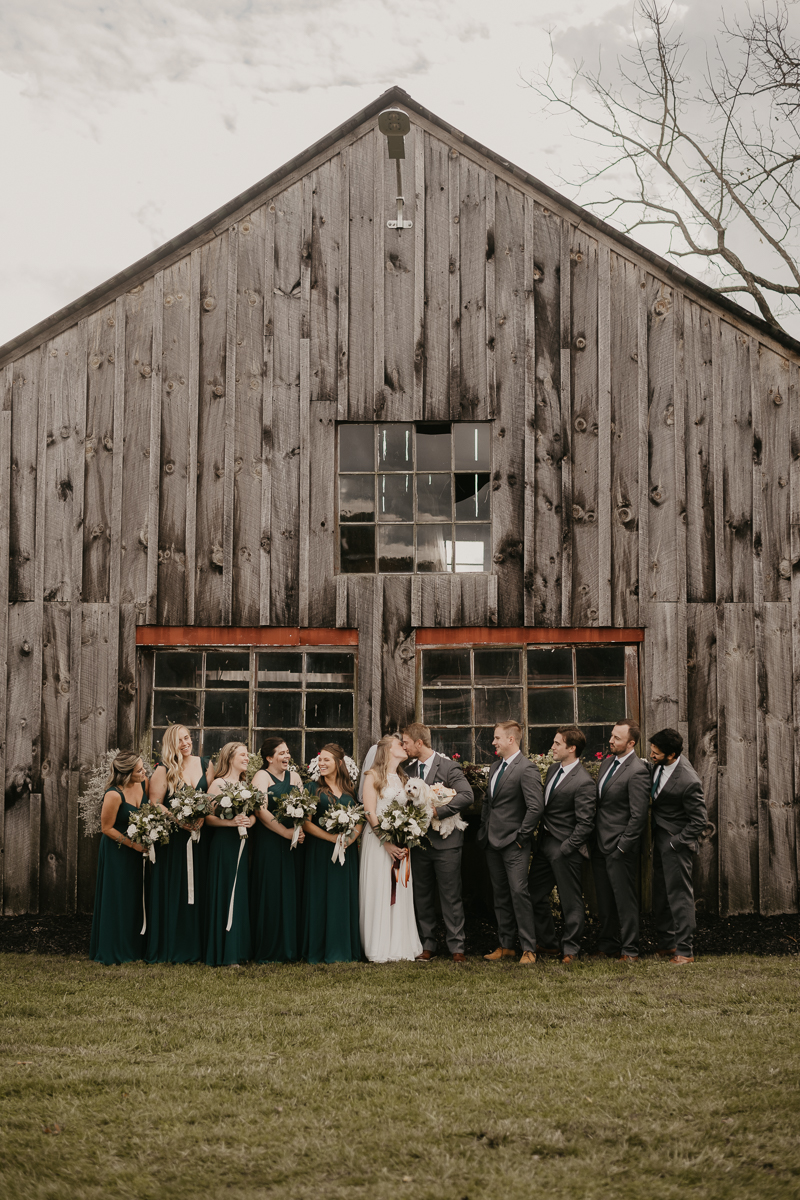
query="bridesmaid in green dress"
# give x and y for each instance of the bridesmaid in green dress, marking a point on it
(174, 925)
(118, 899)
(228, 871)
(274, 866)
(330, 901)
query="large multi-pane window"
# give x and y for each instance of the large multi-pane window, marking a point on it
(306, 696)
(415, 497)
(464, 692)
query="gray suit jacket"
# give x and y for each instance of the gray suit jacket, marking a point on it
(444, 770)
(680, 807)
(622, 806)
(569, 813)
(514, 811)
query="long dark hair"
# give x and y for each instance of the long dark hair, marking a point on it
(268, 748)
(342, 774)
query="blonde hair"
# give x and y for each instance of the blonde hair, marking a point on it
(172, 758)
(379, 770)
(226, 758)
(122, 767)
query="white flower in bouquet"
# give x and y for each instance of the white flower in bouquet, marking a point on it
(235, 799)
(342, 819)
(131, 831)
(297, 806)
(225, 802)
(148, 826)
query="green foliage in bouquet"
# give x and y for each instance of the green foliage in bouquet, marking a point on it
(403, 824)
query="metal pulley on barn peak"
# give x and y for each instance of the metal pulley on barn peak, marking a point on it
(395, 124)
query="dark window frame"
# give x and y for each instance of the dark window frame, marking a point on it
(481, 523)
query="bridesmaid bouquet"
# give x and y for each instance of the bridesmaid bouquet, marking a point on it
(341, 819)
(236, 798)
(149, 825)
(187, 806)
(297, 806)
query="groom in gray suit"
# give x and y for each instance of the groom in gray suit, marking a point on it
(570, 799)
(623, 798)
(511, 811)
(439, 863)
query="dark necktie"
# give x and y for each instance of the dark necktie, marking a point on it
(554, 785)
(614, 766)
(498, 777)
(656, 782)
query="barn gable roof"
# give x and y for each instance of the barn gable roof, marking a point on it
(210, 226)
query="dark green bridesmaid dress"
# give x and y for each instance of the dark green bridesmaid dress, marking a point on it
(174, 926)
(330, 898)
(225, 948)
(274, 893)
(118, 916)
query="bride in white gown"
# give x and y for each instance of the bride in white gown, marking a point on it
(388, 931)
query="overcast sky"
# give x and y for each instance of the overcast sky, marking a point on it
(122, 124)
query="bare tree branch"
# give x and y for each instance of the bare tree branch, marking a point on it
(726, 191)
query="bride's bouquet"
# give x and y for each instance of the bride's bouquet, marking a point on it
(236, 798)
(341, 819)
(297, 805)
(149, 826)
(187, 806)
(404, 824)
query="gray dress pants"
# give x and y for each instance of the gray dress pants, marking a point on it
(508, 870)
(615, 880)
(673, 895)
(551, 868)
(431, 869)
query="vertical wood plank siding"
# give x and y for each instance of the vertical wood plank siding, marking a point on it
(170, 459)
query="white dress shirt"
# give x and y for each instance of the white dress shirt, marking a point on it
(665, 773)
(508, 761)
(566, 770)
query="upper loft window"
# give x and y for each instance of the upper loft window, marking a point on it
(415, 497)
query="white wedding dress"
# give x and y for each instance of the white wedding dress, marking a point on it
(388, 931)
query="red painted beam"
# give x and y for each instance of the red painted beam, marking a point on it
(479, 636)
(210, 635)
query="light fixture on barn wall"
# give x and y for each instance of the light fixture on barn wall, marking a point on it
(394, 123)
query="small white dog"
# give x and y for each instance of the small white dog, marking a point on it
(420, 793)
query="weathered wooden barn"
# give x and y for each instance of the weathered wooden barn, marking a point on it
(299, 470)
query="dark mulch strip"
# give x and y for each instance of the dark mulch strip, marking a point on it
(715, 935)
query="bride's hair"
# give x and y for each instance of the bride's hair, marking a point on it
(380, 767)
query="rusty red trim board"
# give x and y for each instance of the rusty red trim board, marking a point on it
(210, 635)
(480, 636)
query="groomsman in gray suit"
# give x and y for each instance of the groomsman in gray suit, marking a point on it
(623, 797)
(679, 818)
(511, 811)
(438, 864)
(570, 799)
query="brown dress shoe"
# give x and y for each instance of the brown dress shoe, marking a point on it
(553, 951)
(499, 953)
(528, 959)
(680, 960)
(426, 956)
(631, 958)
(569, 958)
(459, 958)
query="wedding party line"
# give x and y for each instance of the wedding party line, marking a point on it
(219, 863)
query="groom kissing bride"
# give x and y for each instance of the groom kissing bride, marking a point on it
(438, 864)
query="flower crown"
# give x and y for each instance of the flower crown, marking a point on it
(352, 769)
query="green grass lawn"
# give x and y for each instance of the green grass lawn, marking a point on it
(599, 1080)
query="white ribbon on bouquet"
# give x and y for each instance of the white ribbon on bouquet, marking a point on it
(242, 836)
(195, 837)
(144, 909)
(295, 837)
(339, 848)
